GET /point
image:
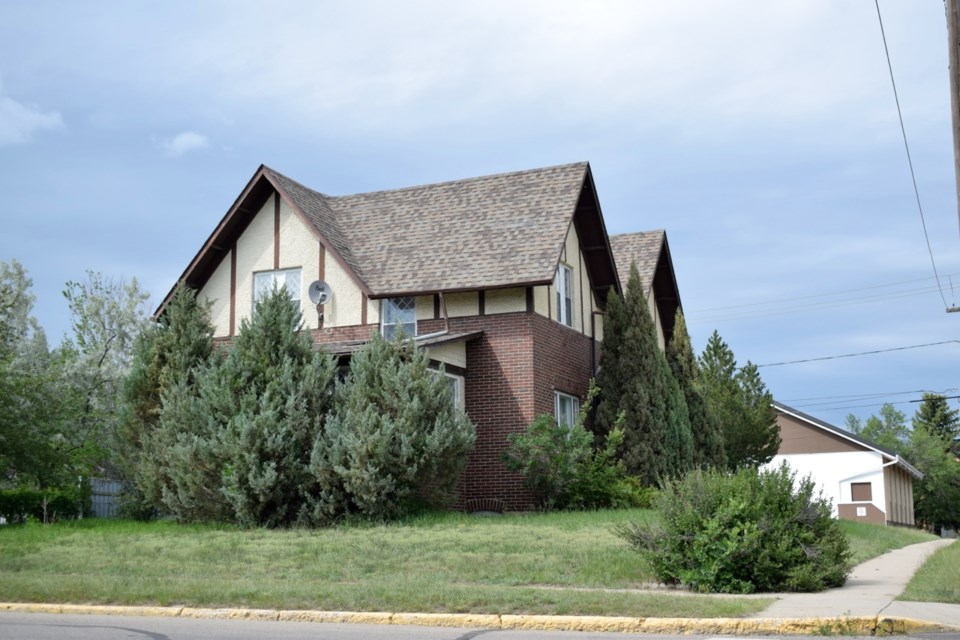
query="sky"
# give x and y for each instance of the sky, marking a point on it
(763, 136)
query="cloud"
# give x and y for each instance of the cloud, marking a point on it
(18, 122)
(184, 143)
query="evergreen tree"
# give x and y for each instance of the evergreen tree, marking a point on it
(743, 405)
(636, 381)
(394, 437)
(707, 432)
(936, 416)
(238, 442)
(168, 351)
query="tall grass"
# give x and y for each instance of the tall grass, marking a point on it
(561, 563)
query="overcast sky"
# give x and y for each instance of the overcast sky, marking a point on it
(763, 136)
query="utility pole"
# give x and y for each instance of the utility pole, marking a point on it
(953, 44)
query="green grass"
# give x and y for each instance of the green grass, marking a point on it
(870, 540)
(549, 564)
(938, 579)
(564, 563)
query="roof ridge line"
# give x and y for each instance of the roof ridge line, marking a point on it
(583, 163)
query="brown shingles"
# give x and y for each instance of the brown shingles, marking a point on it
(494, 231)
(643, 248)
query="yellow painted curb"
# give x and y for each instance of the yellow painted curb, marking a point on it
(570, 623)
(474, 620)
(858, 625)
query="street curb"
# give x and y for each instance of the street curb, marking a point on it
(861, 625)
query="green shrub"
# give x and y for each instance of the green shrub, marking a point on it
(393, 441)
(20, 505)
(752, 531)
(561, 468)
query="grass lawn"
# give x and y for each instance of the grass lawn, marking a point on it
(870, 540)
(565, 563)
(938, 580)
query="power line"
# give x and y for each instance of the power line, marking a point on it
(906, 146)
(817, 295)
(859, 353)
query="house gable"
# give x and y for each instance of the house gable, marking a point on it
(650, 251)
(799, 436)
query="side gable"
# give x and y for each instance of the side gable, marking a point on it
(222, 241)
(651, 253)
(806, 434)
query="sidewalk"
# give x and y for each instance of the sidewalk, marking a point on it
(871, 591)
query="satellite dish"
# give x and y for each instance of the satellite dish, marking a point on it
(319, 292)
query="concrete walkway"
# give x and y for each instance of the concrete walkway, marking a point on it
(870, 591)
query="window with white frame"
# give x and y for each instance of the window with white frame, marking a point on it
(455, 384)
(400, 312)
(455, 387)
(567, 407)
(265, 281)
(563, 285)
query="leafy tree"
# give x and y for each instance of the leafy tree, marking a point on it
(889, 430)
(393, 439)
(742, 403)
(636, 381)
(239, 441)
(933, 450)
(106, 316)
(705, 427)
(167, 351)
(37, 443)
(936, 416)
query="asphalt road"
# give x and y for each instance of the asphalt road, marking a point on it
(40, 626)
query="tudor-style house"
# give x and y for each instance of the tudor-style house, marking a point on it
(503, 279)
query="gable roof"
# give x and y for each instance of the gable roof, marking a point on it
(892, 456)
(651, 253)
(498, 231)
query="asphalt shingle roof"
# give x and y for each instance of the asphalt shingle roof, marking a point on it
(644, 249)
(494, 231)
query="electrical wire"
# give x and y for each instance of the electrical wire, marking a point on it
(906, 146)
(859, 353)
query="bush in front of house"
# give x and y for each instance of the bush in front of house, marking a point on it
(393, 440)
(563, 470)
(750, 531)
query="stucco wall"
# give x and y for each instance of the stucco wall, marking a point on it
(254, 253)
(451, 353)
(834, 473)
(544, 297)
(299, 248)
(505, 301)
(217, 291)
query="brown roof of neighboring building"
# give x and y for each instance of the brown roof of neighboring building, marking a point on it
(891, 455)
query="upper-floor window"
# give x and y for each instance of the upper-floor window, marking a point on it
(400, 312)
(563, 285)
(566, 408)
(265, 281)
